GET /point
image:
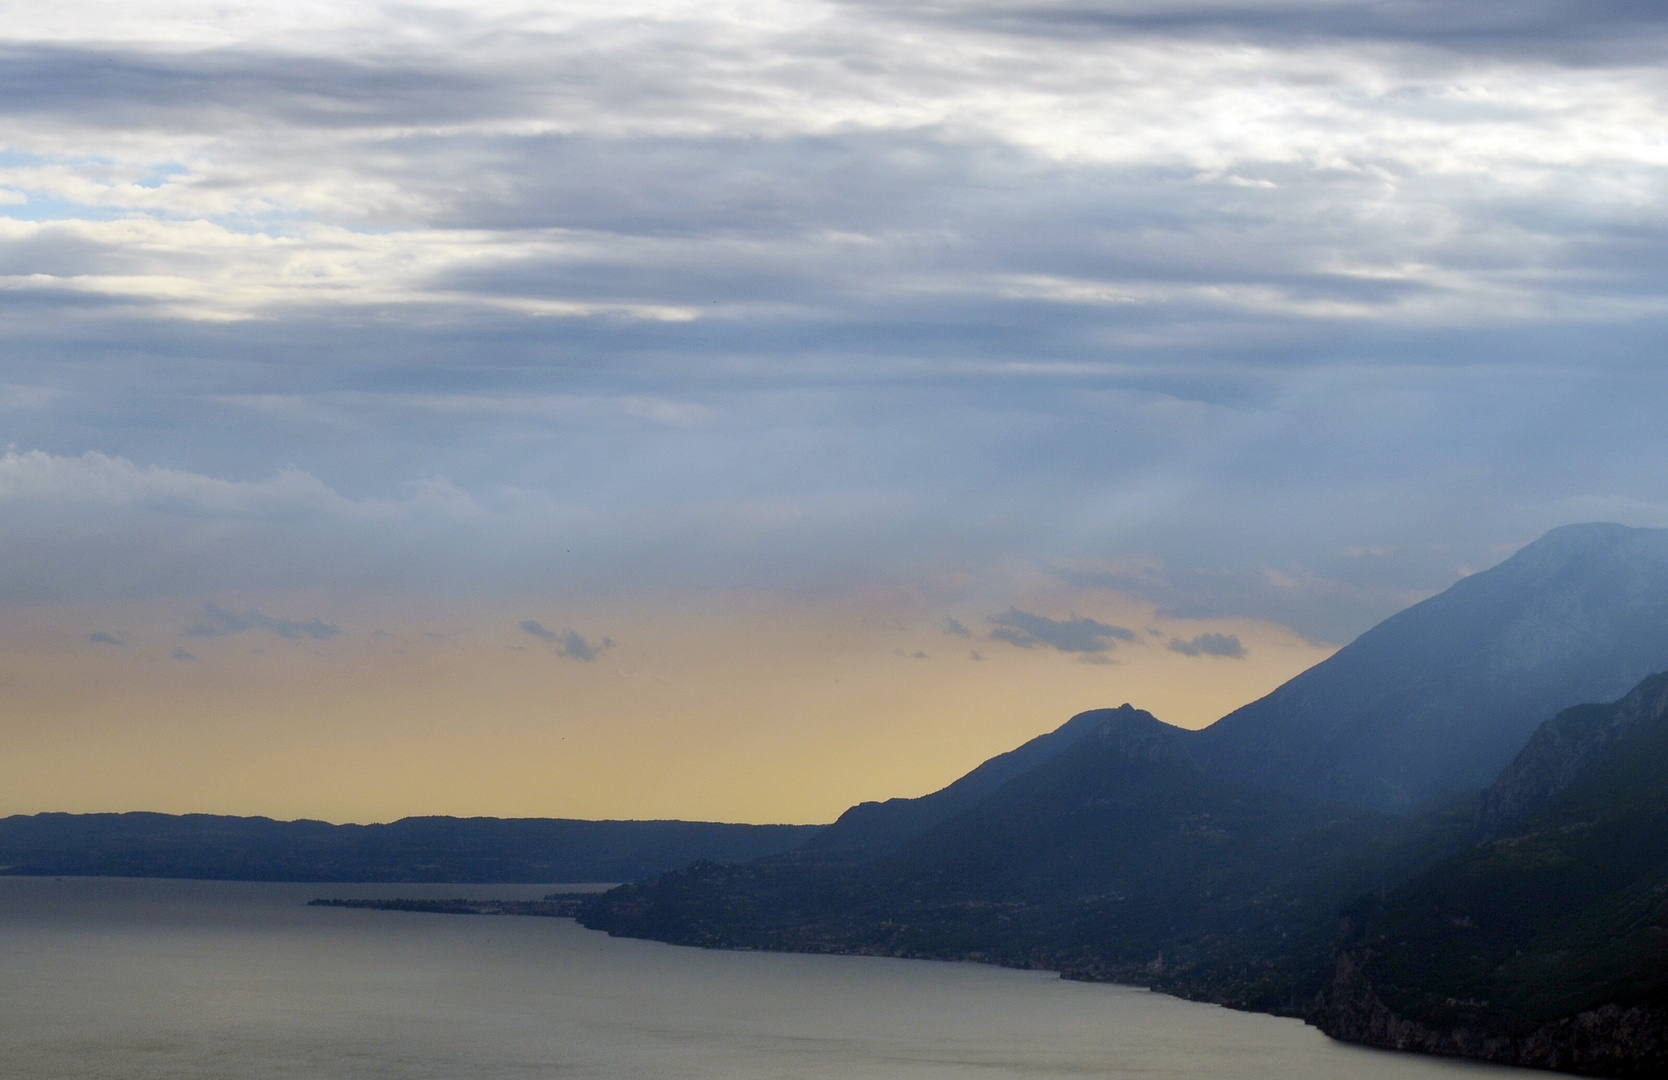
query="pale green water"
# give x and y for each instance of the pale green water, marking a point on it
(185, 980)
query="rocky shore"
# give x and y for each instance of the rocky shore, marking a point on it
(1612, 1040)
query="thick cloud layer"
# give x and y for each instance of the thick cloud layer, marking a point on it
(1294, 309)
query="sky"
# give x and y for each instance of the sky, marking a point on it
(740, 410)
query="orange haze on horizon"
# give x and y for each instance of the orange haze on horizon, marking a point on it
(752, 708)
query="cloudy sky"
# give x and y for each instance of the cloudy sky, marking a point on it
(736, 410)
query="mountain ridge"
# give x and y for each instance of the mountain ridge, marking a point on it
(1436, 699)
(873, 828)
(437, 849)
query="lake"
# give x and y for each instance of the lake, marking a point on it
(139, 979)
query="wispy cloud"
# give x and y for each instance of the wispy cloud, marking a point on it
(1226, 645)
(1568, 31)
(570, 643)
(101, 638)
(218, 622)
(531, 627)
(575, 646)
(1072, 635)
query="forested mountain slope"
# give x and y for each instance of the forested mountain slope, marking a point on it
(1546, 943)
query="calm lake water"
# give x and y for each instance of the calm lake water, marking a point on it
(183, 980)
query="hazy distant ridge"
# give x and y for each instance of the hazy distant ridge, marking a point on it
(1437, 699)
(439, 849)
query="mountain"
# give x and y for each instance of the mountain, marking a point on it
(1546, 943)
(1527, 922)
(1113, 857)
(874, 828)
(1435, 700)
(1526, 925)
(1565, 748)
(412, 849)
(1431, 702)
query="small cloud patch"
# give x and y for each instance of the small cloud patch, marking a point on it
(531, 627)
(218, 622)
(101, 638)
(570, 643)
(956, 629)
(575, 646)
(181, 654)
(1226, 645)
(1072, 635)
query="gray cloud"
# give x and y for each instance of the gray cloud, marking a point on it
(101, 638)
(1073, 635)
(571, 643)
(576, 647)
(218, 622)
(1615, 31)
(110, 87)
(956, 629)
(181, 654)
(649, 305)
(1227, 645)
(1328, 607)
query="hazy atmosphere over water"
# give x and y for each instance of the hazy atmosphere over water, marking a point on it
(737, 410)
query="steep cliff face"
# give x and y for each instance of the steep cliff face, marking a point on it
(1612, 1040)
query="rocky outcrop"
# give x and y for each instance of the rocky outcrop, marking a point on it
(1561, 751)
(1613, 1040)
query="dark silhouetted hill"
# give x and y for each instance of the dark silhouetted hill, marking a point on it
(874, 828)
(1115, 857)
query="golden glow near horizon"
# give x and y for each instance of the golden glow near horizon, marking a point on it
(743, 707)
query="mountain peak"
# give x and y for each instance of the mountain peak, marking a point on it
(873, 828)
